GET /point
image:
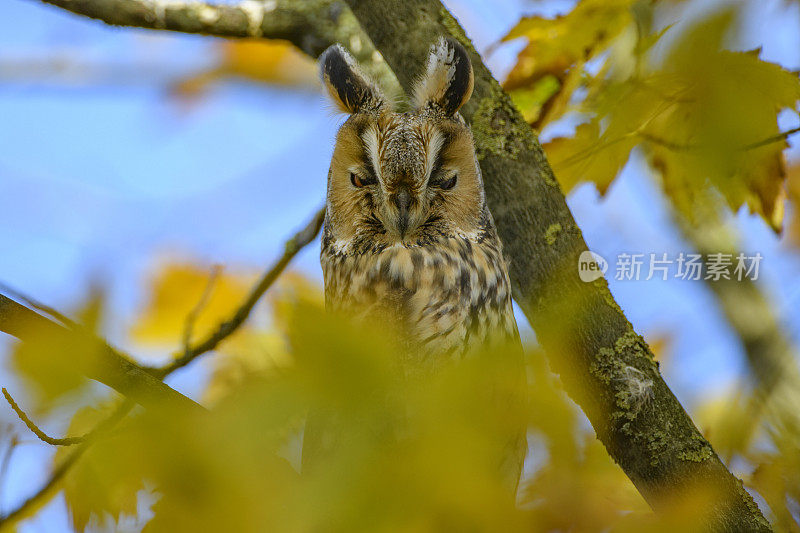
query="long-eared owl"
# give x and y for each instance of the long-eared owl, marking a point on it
(408, 237)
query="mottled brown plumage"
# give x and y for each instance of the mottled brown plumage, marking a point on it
(415, 243)
(408, 238)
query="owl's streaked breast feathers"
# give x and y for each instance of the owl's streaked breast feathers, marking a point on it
(450, 297)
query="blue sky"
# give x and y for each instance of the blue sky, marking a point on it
(102, 179)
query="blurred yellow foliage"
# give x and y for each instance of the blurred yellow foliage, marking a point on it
(180, 288)
(721, 105)
(269, 61)
(793, 194)
(407, 449)
(94, 488)
(413, 450)
(275, 62)
(247, 354)
(50, 367)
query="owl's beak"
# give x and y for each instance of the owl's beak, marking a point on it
(402, 201)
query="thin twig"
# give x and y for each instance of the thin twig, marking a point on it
(775, 138)
(65, 441)
(191, 318)
(680, 147)
(43, 493)
(118, 413)
(60, 471)
(225, 329)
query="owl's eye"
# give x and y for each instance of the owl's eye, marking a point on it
(359, 182)
(448, 183)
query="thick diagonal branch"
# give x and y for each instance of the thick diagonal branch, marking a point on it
(98, 360)
(587, 337)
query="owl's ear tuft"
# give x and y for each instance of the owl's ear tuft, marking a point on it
(448, 79)
(349, 88)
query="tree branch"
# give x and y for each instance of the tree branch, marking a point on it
(311, 25)
(588, 340)
(247, 19)
(98, 360)
(65, 441)
(292, 247)
(191, 318)
(39, 306)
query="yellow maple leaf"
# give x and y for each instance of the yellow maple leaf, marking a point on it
(588, 156)
(554, 45)
(96, 489)
(706, 117)
(175, 293)
(718, 127)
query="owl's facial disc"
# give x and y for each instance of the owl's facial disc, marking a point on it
(405, 151)
(403, 178)
(410, 177)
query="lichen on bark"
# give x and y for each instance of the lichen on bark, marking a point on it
(495, 130)
(552, 232)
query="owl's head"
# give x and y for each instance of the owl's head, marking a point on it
(410, 177)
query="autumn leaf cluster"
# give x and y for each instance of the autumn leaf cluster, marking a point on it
(417, 450)
(703, 116)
